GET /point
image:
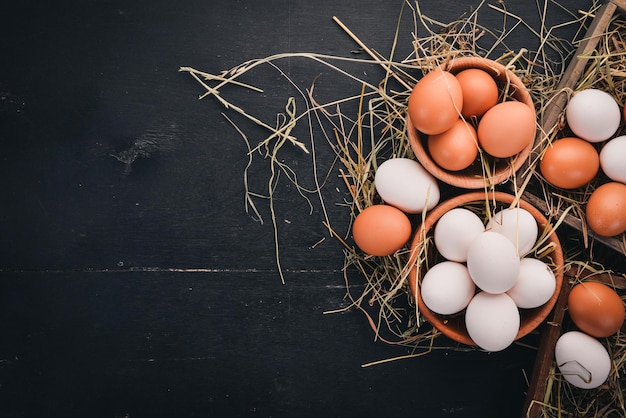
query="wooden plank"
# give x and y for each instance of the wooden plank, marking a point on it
(141, 287)
(170, 344)
(551, 331)
(552, 328)
(621, 5)
(555, 109)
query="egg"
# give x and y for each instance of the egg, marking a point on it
(535, 284)
(381, 230)
(582, 360)
(593, 115)
(435, 102)
(492, 321)
(506, 129)
(454, 232)
(456, 148)
(595, 308)
(612, 159)
(518, 225)
(405, 184)
(447, 288)
(606, 209)
(493, 262)
(480, 92)
(569, 163)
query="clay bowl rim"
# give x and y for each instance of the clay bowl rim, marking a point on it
(463, 179)
(531, 318)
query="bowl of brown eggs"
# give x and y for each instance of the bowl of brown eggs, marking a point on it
(471, 122)
(486, 269)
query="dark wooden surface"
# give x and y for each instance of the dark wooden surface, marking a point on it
(142, 288)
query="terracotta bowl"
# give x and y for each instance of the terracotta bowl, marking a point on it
(453, 326)
(473, 177)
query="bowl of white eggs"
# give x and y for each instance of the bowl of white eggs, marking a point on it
(487, 269)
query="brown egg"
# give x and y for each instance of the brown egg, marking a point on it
(570, 163)
(596, 309)
(381, 230)
(606, 209)
(456, 148)
(435, 102)
(480, 92)
(506, 129)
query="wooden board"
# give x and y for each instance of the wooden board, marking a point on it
(554, 111)
(552, 328)
(132, 281)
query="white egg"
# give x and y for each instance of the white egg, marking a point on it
(455, 231)
(405, 184)
(582, 360)
(612, 159)
(535, 284)
(593, 115)
(492, 321)
(493, 262)
(447, 288)
(518, 225)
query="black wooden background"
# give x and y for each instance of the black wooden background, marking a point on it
(132, 281)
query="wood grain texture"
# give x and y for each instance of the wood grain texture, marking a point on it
(132, 281)
(554, 111)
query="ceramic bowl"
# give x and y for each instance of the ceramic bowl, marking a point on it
(511, 87)
(453, 326)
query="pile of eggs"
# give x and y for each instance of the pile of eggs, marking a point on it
(598, 312)
(461, 112)
(486, 271)
(406, 188)
(572, 162)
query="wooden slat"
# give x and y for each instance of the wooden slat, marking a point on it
(554, 110)
(552, 328)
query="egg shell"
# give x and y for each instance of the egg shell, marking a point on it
(582, 360)
(480, 92)
(518, 225)
(405, 184)
(456, 148)
(593, 115)
(493, 262)
(506, 129)
(435, 102)
(455, 231)
(447, 288)
(492, 320)
(606, 209)
(381, 230)
(612, 158)
(569, 163)
(595, 308)
(535, 284)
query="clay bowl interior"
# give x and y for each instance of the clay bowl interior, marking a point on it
(453, 326)
(511, 87)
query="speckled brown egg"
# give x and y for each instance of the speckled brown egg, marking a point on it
(435, 102)
(381, 230)
(480, 92)
(606, 209)
(596, 309)
(506, 129)
(456, 148)
(569, 163)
